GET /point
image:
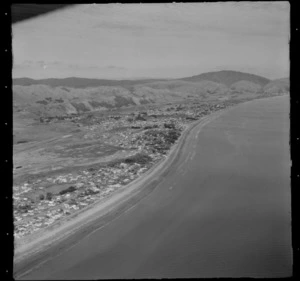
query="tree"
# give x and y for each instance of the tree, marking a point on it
(69, 189)
(49, 196)
(169, 125)
(140, 118)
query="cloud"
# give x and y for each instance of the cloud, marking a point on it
(104, 39)
(72, 66)
(240, 19)
(121, 26)
(280, 6)
(115, 67)
(93, 67)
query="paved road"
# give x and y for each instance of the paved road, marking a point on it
(223, 211)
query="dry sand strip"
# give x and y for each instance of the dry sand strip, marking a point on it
(42, 246)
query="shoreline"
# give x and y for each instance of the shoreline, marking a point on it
(102, 212)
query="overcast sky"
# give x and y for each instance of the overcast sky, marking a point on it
(117, 41)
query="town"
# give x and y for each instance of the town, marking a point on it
(149, 134)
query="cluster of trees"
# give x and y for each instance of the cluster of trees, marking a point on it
(22, 141)
(140, 158)
(169, 125)
(171, 136)
(140, 118)
(42, 102)
(115, 117)
(89, 191)
(68, 190)
(151, 127)
(48, 196)
(49, 99)
(160, 141)
(191, 118)
(80, 107)
(23, 208)
(59, 100)
(62, 117)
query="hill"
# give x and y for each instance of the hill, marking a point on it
(76, 82)
(228, 77)
(55, 97)
(245, 87)
(278, 86)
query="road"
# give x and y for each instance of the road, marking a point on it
(222, 211)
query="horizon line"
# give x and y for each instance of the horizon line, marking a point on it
(143, 78)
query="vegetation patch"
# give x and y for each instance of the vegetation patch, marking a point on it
(144, 101)
(44, 102)
(22, 141)
(80, 107)
(68, 190)
(59, 100)
(121, 101)
(139, 158)
(97, 104)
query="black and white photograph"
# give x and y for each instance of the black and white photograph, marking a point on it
(151, 140)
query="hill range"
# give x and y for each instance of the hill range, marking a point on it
(57, 97)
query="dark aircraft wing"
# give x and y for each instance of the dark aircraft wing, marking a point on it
(20, 12)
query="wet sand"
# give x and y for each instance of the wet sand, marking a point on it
(223, 210)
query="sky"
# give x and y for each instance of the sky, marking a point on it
(174, 40)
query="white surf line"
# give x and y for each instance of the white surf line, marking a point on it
(35, 267)
(183, 163)
(189, 155)
(187, 158)
(66, 136)
(193, 155)
(183, 172)
(203, 121)
(181, 169)
(180, 166)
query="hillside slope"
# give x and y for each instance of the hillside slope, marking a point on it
(228, 77)
(278, 86)
(38, 99)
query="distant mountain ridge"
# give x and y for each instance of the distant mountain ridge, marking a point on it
(227, 77)
(56, 97)
(77, 82)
